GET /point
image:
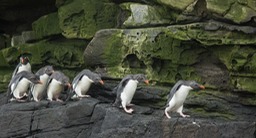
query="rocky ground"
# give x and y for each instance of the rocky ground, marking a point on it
(96, 117)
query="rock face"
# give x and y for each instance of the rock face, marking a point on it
(210, 41)
(91, 118)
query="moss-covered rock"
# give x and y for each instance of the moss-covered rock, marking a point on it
(171, 53)
(82, 18)
(47, 25)
(177, 4)
(146, 15)
(235, 10)
(63, 53)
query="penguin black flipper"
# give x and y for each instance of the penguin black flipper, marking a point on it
(78, 78)
(14, 80)
(16, 70)
(174, 90)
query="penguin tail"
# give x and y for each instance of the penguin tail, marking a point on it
(8, 96)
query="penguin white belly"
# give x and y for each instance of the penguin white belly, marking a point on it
(21, 89)
(179, 97)
(54, 89)
(26, 67)
(128, 91)
(83, 86)
(38, 89)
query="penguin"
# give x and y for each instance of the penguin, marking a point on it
(178, 95)
(19, 85)
(56, 84)
(125, 90)
(24, 65)
(83, 81)
(37, 90)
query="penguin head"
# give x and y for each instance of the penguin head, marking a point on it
(141, 78)
(65, 82)
(96, 78)
(48, 70)
(24, 60)
(195, 86)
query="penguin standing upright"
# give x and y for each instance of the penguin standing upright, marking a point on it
(19, 85)
(83, 81)
(126, 89)
(24, 65)
(38, 90)
(56, 84)
(178, 95)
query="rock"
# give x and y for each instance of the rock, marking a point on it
(177, 4)
(25, 37)
(17, 40)
(145, 15)
(48, 52)
(234, 10)
(88, 117)
(17, 16)
(47, 25)
(81, 19)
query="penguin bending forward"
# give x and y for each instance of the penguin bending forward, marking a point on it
(178, 95)
(19, 85)
(39, 91)
(56, 84)
(125, 90)
(83, 81)
(24, 65)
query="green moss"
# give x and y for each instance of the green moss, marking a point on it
(202, 113)
(81, 19)
(219, 6)
(239, 13)
(63, 53)
(246, 84)
(177, 4)
(47, 25)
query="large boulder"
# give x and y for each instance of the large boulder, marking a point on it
(46, 26)
(82, 18)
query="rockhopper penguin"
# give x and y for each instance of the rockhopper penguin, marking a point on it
(39, 91)
(19, 85)
(178, 95)
(56, 84)
(125, 90)
(83, 81)
(24, 65)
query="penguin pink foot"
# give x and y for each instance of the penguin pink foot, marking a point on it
(84, 96)
(129, 111)
(167, 115)
(183, 115)
(59, 100)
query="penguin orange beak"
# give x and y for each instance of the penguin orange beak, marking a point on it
(202, 87)
(40, 82)
(147, 82)
(101, 82)
(69, 85)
